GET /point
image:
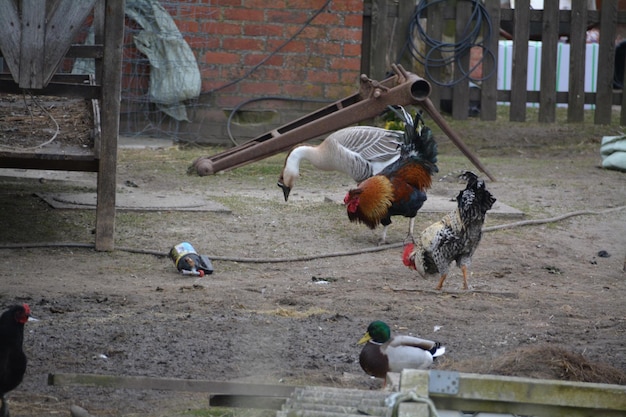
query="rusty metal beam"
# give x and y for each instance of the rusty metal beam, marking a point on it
(403, 88)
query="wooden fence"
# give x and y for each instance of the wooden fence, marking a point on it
(389, 25)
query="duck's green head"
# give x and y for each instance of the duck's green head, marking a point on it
(378, 331)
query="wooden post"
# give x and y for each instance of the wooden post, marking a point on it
(489, 90)
(549, 40)
(519, 71)
(577, 56)
(460, 91)
(110, 106)
(606, 62)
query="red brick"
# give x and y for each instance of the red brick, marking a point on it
(325, 77)
(305, 4)
(355, 6)
(262, 30)
(288, 16)
(229, 3)
(244, 15)
(282, 74)
(243, 44)
(352, 49)
(265, 4)
(345, 34)
(221, 58)
(293, 46)
(199, 43)
(187, 26)
(327, 19)
(336, 91)
(353, 20)
(350, 77)
(303, 90)
(251, 60)
(326, 48)
(259, 88)
(345, 63)
(221, 28)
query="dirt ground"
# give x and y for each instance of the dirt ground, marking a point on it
(533, 288)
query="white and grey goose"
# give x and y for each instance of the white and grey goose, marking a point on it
(359, 151)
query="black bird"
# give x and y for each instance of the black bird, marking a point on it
(12, 357)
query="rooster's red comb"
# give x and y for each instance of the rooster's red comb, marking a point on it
(406, 255)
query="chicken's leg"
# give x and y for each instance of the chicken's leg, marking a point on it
(441, 280)
(464, 270)
(411, 227)
(383, 236)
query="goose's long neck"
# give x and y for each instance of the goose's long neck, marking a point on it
(310, 153)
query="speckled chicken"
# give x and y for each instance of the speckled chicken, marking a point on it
(455, 237)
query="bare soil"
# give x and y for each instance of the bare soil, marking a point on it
(556, 288)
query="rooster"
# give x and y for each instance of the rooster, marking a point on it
(359, 151)
(12, 357)
(455, 237)
(400, 188)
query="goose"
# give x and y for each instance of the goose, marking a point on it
(384, 353)
(358, 151)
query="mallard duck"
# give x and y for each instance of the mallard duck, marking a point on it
(383, 353)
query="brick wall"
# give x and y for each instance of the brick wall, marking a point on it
(230, 37)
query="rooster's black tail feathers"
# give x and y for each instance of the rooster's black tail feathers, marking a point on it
(418, 138)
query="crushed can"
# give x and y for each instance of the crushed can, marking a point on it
(188, 262)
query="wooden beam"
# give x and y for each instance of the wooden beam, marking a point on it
(519, 71)
(32, 47)
(10, 34)
(63, 23)
(171, 384)
(576, 83)
(109, 123)
(549, 40)
(606, 62)
(525, 396)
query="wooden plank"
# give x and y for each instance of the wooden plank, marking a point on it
(170, 384)
(63, 89)
(577, 56)
(32, 44)
(66, 162)
(64, 21)
(110, 122)
(247, 401)
(366, 37)
(460, 103)
(489, 93)
(10, 34)
(606, 62)
(524, 396)
(435, 73)
(549, 40)
(405, 14)
(519, 70)
(98, 29)
(381, 35)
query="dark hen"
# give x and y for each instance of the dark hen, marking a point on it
(12, 357)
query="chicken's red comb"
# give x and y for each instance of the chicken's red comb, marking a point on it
(26, 309)
(406, 255)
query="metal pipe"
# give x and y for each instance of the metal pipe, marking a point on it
(403, 88)
(428, 105)
(373, 98)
